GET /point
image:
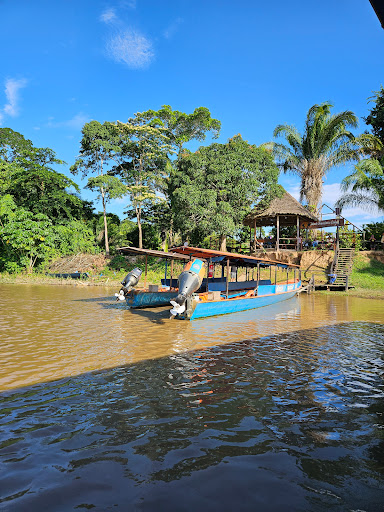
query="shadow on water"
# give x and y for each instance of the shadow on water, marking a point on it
(286, 422)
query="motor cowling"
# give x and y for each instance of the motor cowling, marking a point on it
(129, 282)
(189, 281)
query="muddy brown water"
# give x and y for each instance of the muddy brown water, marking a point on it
(106, 408)
(50, 332)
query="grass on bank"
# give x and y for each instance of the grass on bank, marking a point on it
(367, 278)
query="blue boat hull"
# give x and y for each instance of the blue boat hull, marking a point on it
(141, 299)
(225, 306)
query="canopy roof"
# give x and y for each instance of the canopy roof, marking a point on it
(286, 207)
(240, 260)
(151, 252)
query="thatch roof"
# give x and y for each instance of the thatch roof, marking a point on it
(288, 209)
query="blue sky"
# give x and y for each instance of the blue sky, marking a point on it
(253, 64)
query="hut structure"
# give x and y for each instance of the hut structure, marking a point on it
(282, 211)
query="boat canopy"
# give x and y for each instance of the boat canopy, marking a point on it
(221, 257)
(150, 252)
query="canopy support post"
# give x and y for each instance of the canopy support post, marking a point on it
(227, 282)
(277, 232)
(146, 271)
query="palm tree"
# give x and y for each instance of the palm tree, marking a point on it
(364, 187)
(326, 143)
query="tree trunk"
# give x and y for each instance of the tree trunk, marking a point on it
(223, 242)
(138, 216)
(105, 225)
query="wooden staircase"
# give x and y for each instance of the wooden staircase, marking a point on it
(342, 266)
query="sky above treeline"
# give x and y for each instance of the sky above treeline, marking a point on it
(253, 64)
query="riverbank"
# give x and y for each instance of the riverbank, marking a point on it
(367, 275)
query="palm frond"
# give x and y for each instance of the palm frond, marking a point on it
(364, 201)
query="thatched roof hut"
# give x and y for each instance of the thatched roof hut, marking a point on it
(287, 208)
(282, 211)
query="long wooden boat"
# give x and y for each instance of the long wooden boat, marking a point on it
(200, 297)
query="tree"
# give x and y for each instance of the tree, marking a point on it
(26, 174)
(325, 143)
(364, 187)
(26, 237)
(376, 116)
(99, 147)
(215, 187)
(144, 163)
(182, 128)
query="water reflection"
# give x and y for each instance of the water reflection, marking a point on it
(284, 422)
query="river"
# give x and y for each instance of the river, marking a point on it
(104, 408)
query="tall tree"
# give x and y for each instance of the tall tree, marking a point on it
(99, 149)
(144, 162)
(28, 175)
(215, 187)
(364, 187)
(325, 143)
(181, 127)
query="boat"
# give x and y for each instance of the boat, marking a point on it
(200, 297)
(151, 295)
(68, 275)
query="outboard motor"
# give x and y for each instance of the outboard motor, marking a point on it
(189, 281)
(129, 282)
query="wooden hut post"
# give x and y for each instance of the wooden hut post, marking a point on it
(298, 232)
(254, 238)
(277, 232)
(171, 283)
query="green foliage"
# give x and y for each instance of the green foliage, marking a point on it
(26, 174)
(375, 228)
(349, 238)
(74, 237)
(364, 187)
(181, 127)
(376, 116)
(99, 149)
(119, 263)
(214, 188)
(144, 162)
(27, 238)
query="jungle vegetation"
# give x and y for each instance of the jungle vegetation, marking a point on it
(172, 195)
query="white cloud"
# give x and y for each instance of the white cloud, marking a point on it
(108, 16)
(75, 123)
(131, 48)
(331, 193)
(172, 28)
(12, 88)
(131, 4)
